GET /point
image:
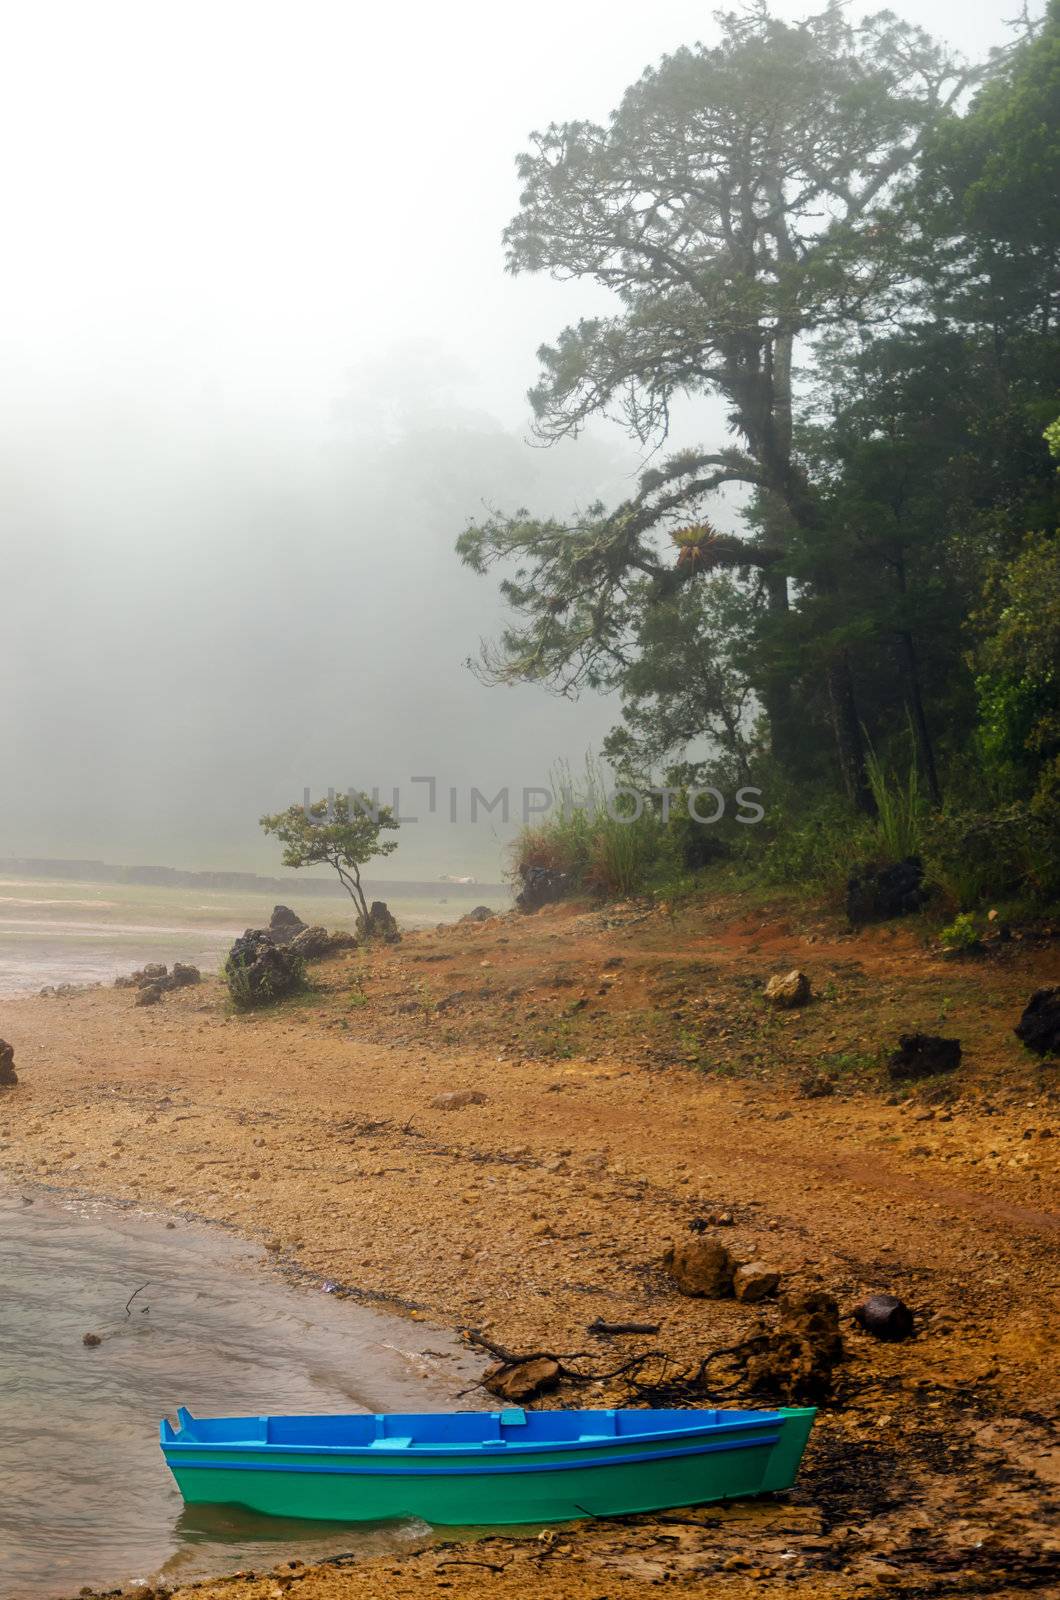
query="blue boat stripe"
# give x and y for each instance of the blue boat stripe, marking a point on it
(676, 1436)
(495, 1467)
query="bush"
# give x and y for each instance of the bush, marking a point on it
(1012, 853)
(962, 933)
(259, 973)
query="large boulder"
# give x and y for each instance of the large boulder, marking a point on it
(701, 1267)
(755, 1280)
(479, 914)
(521, 1380)
(923, 1055)
(184, 976)
(456, 1099)
(258, 971)
(795, 1362)
(381, 923)
(149, 994)
(875, 893)
(1039, 1026)
(8, 1075)
(541, 885)
(285, 925)
(313, 944)
(885, 1316)
(788, 989)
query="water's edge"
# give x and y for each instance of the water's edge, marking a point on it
(212, 1325)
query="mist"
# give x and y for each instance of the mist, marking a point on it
(261, 363)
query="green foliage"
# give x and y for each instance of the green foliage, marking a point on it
(342, 832)
(1009, 852)
(813, 840)
(962, 933)
(1018, 686)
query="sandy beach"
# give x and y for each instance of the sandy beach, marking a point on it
(628, 1081)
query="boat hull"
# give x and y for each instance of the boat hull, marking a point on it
(624, 1477)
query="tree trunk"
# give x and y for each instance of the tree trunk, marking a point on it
(920, 722)
(850, 742)
(776, 697)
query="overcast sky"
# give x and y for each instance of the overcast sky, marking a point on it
(252, 282)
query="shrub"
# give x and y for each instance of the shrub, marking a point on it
(962, 933)
(259, 973)
(1012, 853)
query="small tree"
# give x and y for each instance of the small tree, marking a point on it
(341, 832)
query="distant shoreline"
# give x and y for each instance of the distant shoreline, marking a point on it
(250, 882)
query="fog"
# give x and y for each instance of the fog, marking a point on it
(260, 363)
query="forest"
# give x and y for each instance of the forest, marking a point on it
(848, 240)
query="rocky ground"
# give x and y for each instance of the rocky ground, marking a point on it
(504, 1127)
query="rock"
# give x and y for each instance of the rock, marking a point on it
(790, 989)
(885, 1316)
(1039, 1026)
(713, 1219)
(701, 1267)
(922, 1055)
(796, 1362)
(258, 971)
(541, 886)
(380, 925)
(91, 1339)
(8, 1075)
(149, 994)
(126, 980)
(313, 944)
(875, 892)
(755, 1281)
(815, 1315)
(153, 972)
(184, 976)
(285, 925)
(454, 1099)
(479, 914)
(310, 944)
(816, 1086)
(522, 1380)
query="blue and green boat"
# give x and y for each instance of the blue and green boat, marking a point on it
(474, 1468)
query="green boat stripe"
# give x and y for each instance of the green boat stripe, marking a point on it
(496, 1466)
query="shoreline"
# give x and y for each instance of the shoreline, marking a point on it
(310, 1129)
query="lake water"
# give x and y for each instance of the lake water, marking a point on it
(86, 1496)
(59, 931)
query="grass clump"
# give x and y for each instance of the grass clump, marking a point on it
(605, 843)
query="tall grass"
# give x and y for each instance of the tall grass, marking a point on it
(899, 807)
(600, 852)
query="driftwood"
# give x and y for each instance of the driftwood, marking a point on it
(602, 1329)
(663, 1390)
(132, 1297)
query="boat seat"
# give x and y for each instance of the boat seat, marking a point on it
(395, 1442)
